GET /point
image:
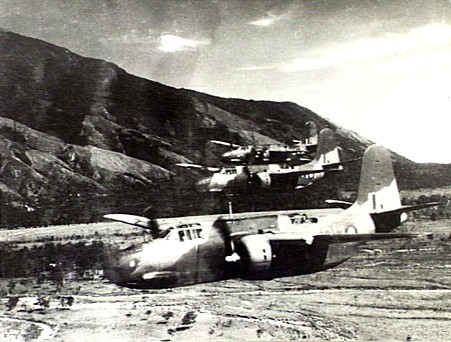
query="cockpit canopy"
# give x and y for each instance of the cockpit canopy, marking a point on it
(229, 171)
(183, 232)
(302, 218)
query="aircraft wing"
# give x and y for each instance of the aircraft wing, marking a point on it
(345, 238)
(199, 167)
(328, 239)
(224, 143)
(345, 205)
(339, 204)
(303, 172)
(420, 206)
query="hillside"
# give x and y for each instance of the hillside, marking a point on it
(80, 137)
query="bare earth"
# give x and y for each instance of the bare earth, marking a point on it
(397, 290)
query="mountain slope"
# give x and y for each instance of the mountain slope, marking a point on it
(80, 137)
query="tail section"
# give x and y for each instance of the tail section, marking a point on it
(312, 138)
(327, 149)
(378, 190)
(378, 193)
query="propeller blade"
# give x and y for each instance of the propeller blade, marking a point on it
(149, 223)
(222, 228)
(134, 220)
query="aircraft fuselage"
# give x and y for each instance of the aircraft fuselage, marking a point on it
(244, 178)
(207, 251)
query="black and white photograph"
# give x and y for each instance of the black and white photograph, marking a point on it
(225, 170)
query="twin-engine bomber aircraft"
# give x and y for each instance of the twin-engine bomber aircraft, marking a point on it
(241, 178)
(298, 151)
(202, 249)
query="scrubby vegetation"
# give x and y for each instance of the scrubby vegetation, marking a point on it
(50, 261)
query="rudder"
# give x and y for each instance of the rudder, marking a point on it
(312, 135)
(327, 149)
(378, 190)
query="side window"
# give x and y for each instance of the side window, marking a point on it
(166, 234)
(230, 171)
(185, 235)
(197, 233)
(303, 219)
(182, 235)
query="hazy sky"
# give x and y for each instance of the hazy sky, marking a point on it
(379, 67)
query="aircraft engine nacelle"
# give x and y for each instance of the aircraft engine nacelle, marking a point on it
(255, 256)
(250, 181)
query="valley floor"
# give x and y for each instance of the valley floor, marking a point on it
(393, 290)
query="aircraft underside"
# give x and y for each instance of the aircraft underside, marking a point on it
(288, 258)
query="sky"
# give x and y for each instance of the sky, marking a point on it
(379, 67)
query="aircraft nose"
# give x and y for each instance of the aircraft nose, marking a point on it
(118, 269)
(204, 184)
(113, 275)
(112, 272)
(227, 156)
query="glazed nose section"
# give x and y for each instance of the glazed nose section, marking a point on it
(204, 184)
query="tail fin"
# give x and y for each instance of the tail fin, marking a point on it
(312, 137)
(378, 190)
(327, 149)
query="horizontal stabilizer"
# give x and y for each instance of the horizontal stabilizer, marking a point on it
(337, 165)
(296, 161)
(134, 220)
(419, 206)
(339, 204)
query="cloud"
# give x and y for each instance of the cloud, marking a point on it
(258, 68)
(268, 20)
(417, 40)
(132, 37)
(173, 43)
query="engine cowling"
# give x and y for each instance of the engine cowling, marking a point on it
(247, 181)
(255, 256)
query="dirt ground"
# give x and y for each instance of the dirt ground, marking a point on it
(395, 290)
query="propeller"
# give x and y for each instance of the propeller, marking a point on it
(137, 221)
(221, 226)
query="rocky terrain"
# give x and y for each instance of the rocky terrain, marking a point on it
(397, 290)
(81, 137)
